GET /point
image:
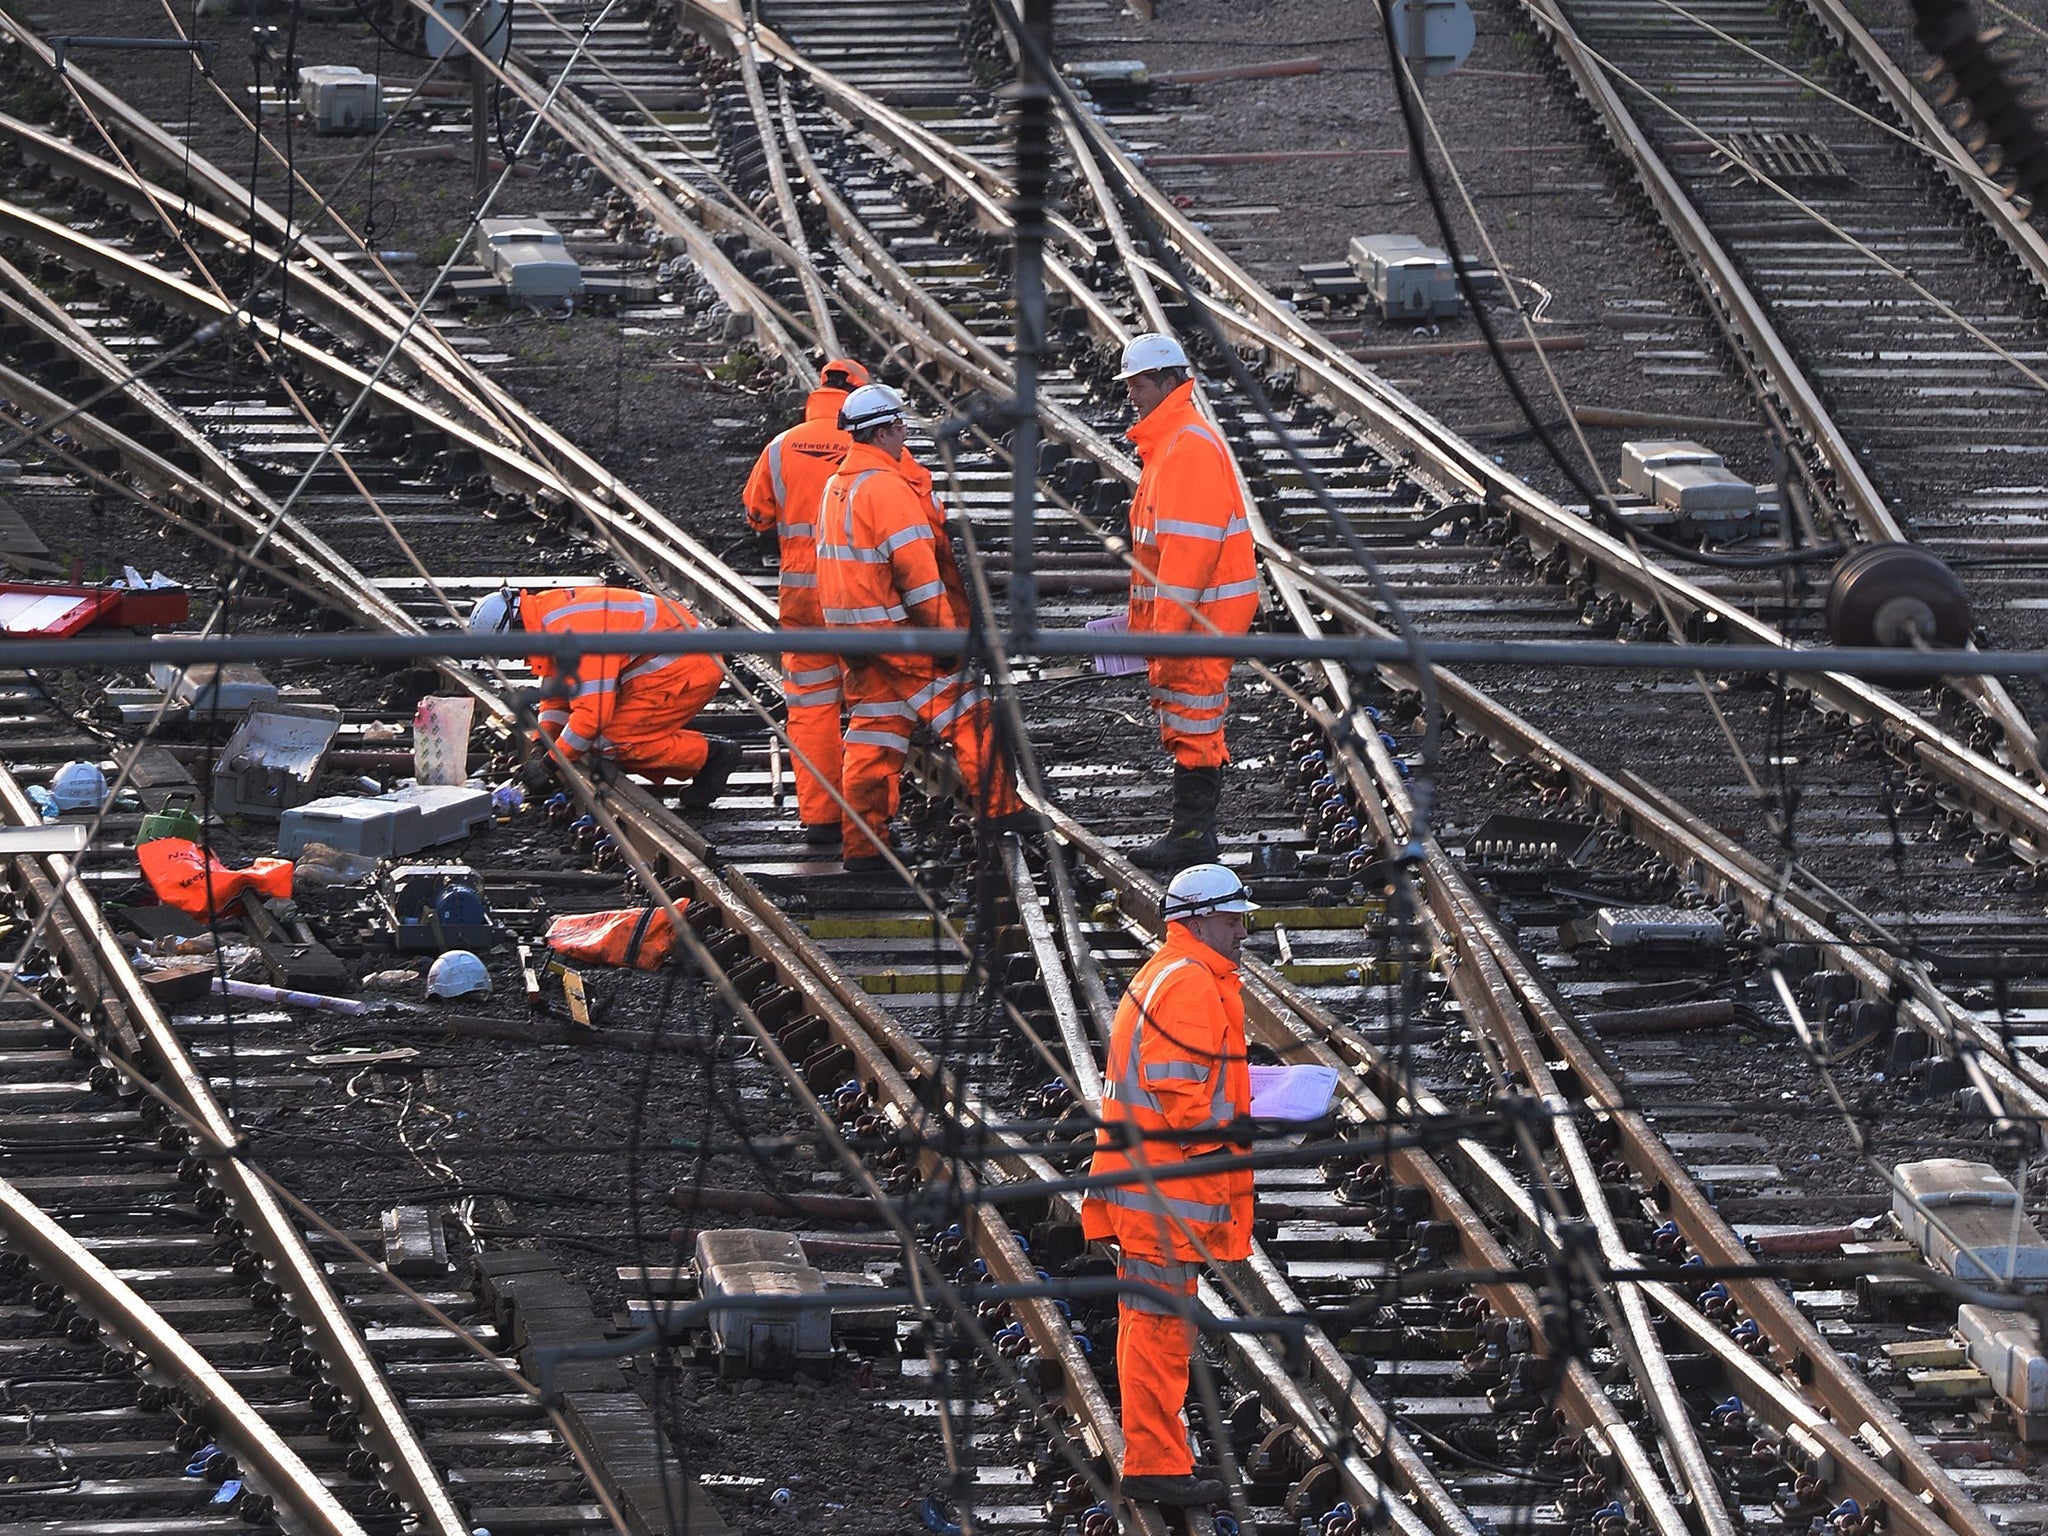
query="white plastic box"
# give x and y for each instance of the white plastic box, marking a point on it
(746, 1262)
(386, 826)
(339, 98)
(1962, 1216)
(529, 258)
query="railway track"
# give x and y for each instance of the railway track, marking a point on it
(1325, 1257)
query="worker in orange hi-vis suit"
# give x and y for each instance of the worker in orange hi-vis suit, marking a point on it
(630, 709)
(884, 562)
(782, 499)
(1195, 567)
(1177, 1073)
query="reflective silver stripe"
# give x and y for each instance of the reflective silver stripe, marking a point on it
(812, 698)
(571, 741)
(1186, 1071)
(812, 676)
(879, 739)
(596, 685)
(970, 700)
(1229, 589)
(799, 579)
(901, 537)
(554, 716)
(775, 468)
(1203, 433)
(1188, 530)
(1142, 534)
(925, 593)
(1190, 700)
(891, 613)
(1146, 1200)
(844, 549)
(852, 555)
(650, 667)
(645, 605)
(799, 530)
(931, 691)
(1144, 591)
(888, 709)
(1189, 723)
(1180, 594)
(1171, 1274)
(1128, 1087)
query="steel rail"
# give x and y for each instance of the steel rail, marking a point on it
(1920, 119)
(768, 126)
(1754, 342)
(384, 1426)
(266, 1461)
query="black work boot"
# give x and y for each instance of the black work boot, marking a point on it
(1176, 1492)
(710, 780)
(1191, 839)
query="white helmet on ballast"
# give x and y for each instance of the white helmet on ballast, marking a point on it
(1201, 889)
(79, 787)
(496, 613)
(1152, 350)
(458, 973)
(872, 405)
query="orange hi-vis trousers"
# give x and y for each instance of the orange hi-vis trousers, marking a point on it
(886, 698)
(814, 694)
(1153, 1347)
(643, 732)
(1190, 695)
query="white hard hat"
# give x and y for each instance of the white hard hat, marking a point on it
(1152, 350)
(1201, 889)
(458, 973)
(496, 613)
(79, 787)
(872, 405)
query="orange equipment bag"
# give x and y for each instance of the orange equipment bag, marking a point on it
(185, 876)
(629, 937)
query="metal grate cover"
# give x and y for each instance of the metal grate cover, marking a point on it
(1780, 156)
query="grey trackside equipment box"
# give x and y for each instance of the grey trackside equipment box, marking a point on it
(339, 98)
(528, 257)
(208, 686)
(1640, 461)
(1659, 928)
(1409, 280)
(2006, 1346)
(271, 762)
(1962, 1216)
(386, 826)
(1706, 495)
(744, 1262)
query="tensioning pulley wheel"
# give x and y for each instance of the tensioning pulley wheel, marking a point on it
(1897, 595)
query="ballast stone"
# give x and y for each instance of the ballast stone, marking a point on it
(745, 1262)
(386, 826)
(1976, 1206)
(2006, 1347)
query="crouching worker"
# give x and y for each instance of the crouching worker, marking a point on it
(631, 710)
(1176, 1078)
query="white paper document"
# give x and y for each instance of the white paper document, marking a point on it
(1292, 1093)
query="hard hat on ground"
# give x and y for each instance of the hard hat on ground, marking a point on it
(1203, 889)
(79, 787)
(495, 614)
(1144, 353)
(458, 973)
(872, 405)
(843, 373)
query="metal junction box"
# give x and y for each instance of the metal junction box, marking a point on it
(742, 1263)
(1409, 280)
(1966, 1218)
(1640, 461)
(386, 826)
(339, 98)
(529, 258)
(271, 762)
(1650, 933)
(1707, 498)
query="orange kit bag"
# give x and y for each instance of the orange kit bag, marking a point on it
(640, 937)
(184, 875)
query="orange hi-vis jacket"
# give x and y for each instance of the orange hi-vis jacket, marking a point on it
(1177, 1064)
(784, 493)
(603, 682)
(1189, 535)
(883, 556)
